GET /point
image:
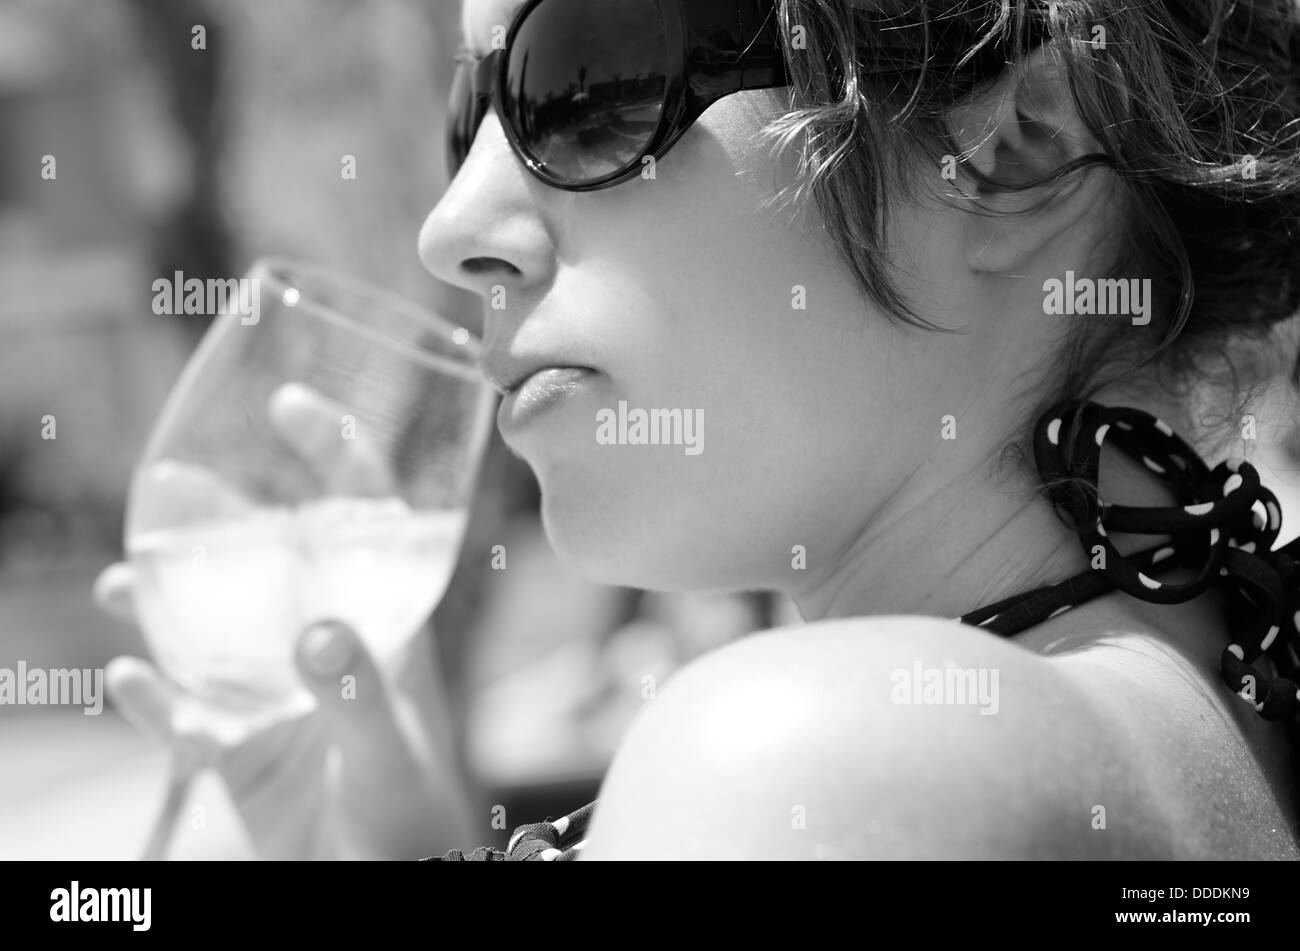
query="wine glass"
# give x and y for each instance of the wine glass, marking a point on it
(315, 462)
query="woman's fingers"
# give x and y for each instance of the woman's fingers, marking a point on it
(171, 493)
(376, 757)
(114, 591)
(158, 708)
(276, 779)
(353, 701)
(142, 695)
(276, 774)
(323, 433)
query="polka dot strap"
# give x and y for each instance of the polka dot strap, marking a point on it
(1221, 530)
(555, 840)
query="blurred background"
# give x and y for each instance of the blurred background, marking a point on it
(200, 160)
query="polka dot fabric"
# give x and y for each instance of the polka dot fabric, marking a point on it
(556, 840)
(1221, 531)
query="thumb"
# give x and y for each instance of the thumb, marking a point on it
(339, 671)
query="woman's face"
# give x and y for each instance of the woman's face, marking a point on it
(810, 409)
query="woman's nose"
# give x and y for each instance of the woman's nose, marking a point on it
(487, 230)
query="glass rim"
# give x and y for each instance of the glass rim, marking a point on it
(275, 268)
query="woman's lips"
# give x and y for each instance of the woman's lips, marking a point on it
(543, 389)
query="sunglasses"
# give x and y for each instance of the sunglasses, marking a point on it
(589, 90)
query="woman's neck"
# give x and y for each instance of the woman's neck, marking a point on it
(946, 549)
(957, 538)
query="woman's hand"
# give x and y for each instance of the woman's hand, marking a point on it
(368, 773)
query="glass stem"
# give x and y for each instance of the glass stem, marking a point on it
(181, 776)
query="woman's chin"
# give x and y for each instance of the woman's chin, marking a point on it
(606, 546)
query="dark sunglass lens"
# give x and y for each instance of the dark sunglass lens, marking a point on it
(585, 84)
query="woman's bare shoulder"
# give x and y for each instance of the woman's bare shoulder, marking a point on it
(895, 737)
(1226, 775)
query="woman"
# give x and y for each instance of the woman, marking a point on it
(884, 397)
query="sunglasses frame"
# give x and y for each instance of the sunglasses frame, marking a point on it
(714, 48)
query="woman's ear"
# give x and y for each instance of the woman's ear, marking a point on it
(1019, 131)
